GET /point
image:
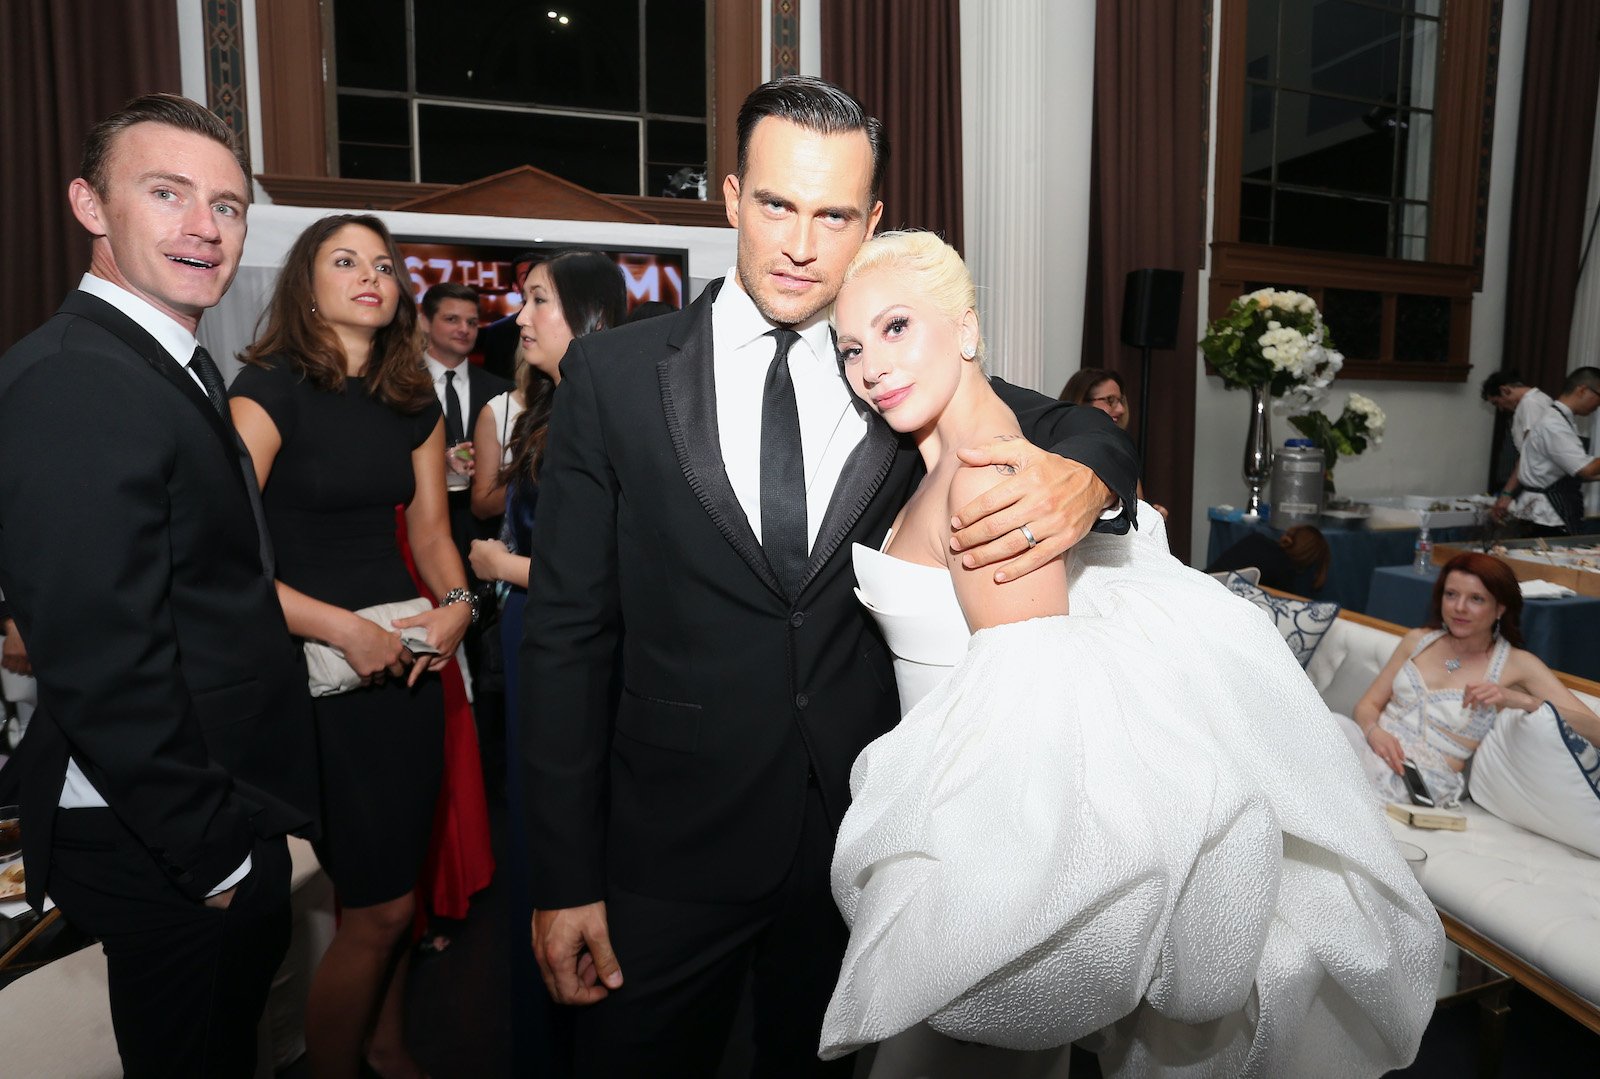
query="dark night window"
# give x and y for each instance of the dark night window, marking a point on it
(1338, 143)
(610, 94)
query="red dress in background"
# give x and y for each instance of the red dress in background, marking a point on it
(460, 861)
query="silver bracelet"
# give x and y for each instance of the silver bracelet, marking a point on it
(461, 595)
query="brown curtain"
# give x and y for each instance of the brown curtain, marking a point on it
(902, 58)
(1555, 134)
(1147, 210)
(63, 65)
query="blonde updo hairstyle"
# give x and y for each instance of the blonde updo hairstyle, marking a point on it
(926, 264)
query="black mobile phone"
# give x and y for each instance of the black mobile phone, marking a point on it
(1415, 787)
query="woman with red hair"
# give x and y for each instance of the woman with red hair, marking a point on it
(1443, 687)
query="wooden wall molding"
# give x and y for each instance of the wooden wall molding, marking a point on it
(335, 192)
(225, 74)
(1237, 267)
(294, 106)
(736, 51)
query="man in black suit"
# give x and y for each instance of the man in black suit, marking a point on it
(450, 322)
(172, 747)
(698, 674)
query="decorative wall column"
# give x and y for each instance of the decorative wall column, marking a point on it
(785, 37)
(225, 68)
(1027, 84)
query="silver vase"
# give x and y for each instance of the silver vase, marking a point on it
(1258, 447)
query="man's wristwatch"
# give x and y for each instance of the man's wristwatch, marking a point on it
(461, 595)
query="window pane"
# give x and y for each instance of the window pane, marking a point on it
(370, 44)
(1355, 318)
(516, 53)
(1419, 63)
(675, 161)
(675, 57)
(1353, 49)
(1331, 223)
(1421, 329)
(461, 144)
(374, 137)
(1261, 40)
(1330, 142)
(375, 162)
(385, 121)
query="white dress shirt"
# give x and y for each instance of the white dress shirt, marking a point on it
(1551, 451)
(77, 792)
(831, 422)
(436, 371)
(1534, 406)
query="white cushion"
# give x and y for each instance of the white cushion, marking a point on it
(1538, 899)
(56, 1020)
(1248, 574)
(1527, 772)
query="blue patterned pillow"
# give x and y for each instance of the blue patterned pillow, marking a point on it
(1586, 756)
(1302, 622)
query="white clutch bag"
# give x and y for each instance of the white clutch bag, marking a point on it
(329, 674)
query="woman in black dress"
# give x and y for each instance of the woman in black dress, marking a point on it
(342, 426)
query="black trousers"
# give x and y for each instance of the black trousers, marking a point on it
(187, 982)
(685, 967)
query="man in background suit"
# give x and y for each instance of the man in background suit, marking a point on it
(172, 748)
(450, 322)
(706, 473)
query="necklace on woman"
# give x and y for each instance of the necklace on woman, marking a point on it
(1453, 664)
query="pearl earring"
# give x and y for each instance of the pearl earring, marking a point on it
(969, 351)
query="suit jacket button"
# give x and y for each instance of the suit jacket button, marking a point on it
(797, 619)
(801, 700)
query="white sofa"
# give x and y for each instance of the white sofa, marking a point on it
(1525, 903)
(56, 1021)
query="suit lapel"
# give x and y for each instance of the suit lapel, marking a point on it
(129, 332)
(689, 401)
(863, 474)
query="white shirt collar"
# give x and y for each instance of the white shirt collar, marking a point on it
(169, 333)
(437, 369)
(737, 321)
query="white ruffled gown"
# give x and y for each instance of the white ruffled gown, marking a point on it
(1138, 820)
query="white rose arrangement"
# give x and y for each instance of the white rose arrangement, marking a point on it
(1276, 338)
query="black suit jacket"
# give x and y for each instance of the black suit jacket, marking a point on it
(131, 559)
(647, 580)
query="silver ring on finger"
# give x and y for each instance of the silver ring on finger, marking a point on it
(1027, 534)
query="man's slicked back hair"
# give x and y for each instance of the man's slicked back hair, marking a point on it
(168, 109)
(816, 106)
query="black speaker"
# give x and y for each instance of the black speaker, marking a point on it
(1150, 302)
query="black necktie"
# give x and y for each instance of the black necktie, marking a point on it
(783, 473)
(453, 431)
(202, 365)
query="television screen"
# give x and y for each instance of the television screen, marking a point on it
(491, 267)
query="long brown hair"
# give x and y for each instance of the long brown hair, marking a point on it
(1308, 548)
(293, 328)
(593, 297)
(1498, 581)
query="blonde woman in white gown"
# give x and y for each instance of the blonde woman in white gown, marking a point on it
(1115, 806)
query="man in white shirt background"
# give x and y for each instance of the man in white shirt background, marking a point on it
(1527, 406)
(450, 322)
(1555, 462)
